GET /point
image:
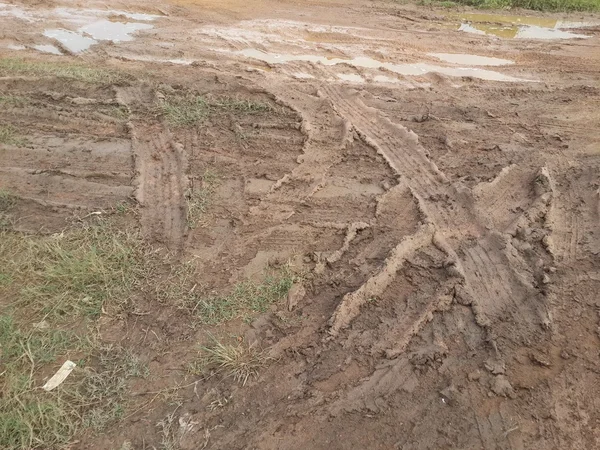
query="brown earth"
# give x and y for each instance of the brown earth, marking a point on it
(446, 227)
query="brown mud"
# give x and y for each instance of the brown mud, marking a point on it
(445, 223)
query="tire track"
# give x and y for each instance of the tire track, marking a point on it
(161, 181)
(488, 277)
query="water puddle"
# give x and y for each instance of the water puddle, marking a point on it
(16, 47)
(521, 27)
(85, 26)
(385, 79)
(302, 76)
(470, 60)
(47, 48)
(370, 63)
(148, 58)
(105, 30)
(533, 32)
(72, 41)
(351, 77)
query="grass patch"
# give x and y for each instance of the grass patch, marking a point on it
(243, 301)
(72, 275)
(191, 110)
(91, 397)
(242, 105)
(245, 298)
(10, 136)
(184, 111)
(15, 66)
(12, 100)
(7, 200)
(539, 5)
(236, 361)
(118, 112)
(168, 431)
(50, 286)
(198, 200)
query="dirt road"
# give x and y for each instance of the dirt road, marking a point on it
(430, 176)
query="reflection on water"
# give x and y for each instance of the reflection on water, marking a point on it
(520, 27)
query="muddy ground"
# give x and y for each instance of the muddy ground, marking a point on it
(440, 219)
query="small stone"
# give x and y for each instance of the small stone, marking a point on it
(501, 386)
(564, 354)
(539, 359)
(495, 366)
(474, 376)
(545, 279)
(319, 268)
(551, 269)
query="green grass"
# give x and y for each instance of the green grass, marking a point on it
(10, 136)
(93, 396)
(242, 105)
(199, 199)
(51, 289)
(246, 297)
(72, 274)
(243, 301)
(540, 5)
(118, 112)
(7, 200)
(12, 100)
(15, 66)
(185, 111)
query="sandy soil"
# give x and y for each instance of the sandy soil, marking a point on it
(445, 217)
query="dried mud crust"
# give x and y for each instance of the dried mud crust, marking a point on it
(447, 239)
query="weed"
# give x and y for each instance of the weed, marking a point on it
(191, 110)
(10, 136)
(246, 296)
(90, 397)
(243, 105)
(237, 361)
(7, 200)
(118, 112)
(198, 200)
(12, 100)
(168, 431)
(14, 66)
(73, 274)
(124, 207)
(103, 386)
(184, 111)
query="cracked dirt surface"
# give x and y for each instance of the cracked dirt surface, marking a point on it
(446, 226)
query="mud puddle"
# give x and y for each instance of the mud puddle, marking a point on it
(414, 69)
(521, 27)
(79, 29)
(72, 41)
(471, 60)
(47, 48)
